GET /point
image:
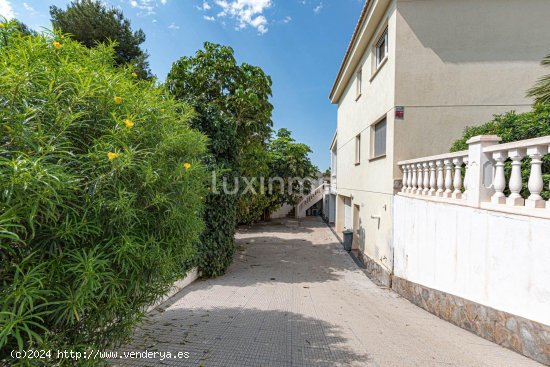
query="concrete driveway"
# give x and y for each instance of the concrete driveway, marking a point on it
(294, 297)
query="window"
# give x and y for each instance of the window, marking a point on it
(380, 139)
(359, 84)
(382, 48)
(358, 149)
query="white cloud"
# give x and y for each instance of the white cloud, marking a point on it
(209, 18)
(245, 12)
(318, 8)
(146, 7)
(173, 26)
(287, 19)
(163, 2)
(29, 8)
(6, 9)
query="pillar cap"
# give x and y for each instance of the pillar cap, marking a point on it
(484, 138)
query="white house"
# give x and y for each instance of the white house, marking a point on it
(416, 72)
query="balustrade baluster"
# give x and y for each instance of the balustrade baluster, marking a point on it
(535, 184)
(413, 179)
(405, 177)
(433, 181)
(448, 178)
(440, 180)
(457, 182)
(515, 185)
(499, 181)
(426, 179)
(419, 178)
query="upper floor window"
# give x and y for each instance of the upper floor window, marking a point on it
(358, 149)
(382, 47)
(379, 139)
(359, 83)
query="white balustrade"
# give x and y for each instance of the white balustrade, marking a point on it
(429, 176)
(484, 181)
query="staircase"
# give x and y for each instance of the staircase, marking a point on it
(309, 200)
(282, 212)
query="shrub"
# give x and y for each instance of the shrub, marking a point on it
(205, 81)
(217, 244)
(101, 190)
(513, 127)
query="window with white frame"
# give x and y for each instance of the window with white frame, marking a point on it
(382, 48)
(358, 149)
(379, 144)
(359, 83)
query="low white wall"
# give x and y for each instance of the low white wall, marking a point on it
(282, 212)
(189, 278)
(496, 259)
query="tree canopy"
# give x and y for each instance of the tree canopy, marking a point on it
(541, 90)
(90, 22)
(289, 159)
(241, 92)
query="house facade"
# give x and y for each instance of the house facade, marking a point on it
(415, 74)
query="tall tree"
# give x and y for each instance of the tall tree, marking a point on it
(288, 160)
(90, 22)
(541, 90)
(232, 106)
(241, 92)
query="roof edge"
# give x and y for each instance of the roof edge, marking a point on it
(352, 43)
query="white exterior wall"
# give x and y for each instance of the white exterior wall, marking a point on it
(461, 62)
(495, 259)
(370, 183)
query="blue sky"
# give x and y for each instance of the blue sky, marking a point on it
(300, 43)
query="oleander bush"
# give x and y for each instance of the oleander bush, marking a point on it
(513, 126)
(101, 194)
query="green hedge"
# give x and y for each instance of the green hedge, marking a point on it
(101, 193)
(510, 127)
(217, 242)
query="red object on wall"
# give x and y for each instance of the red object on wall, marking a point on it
(400, 112)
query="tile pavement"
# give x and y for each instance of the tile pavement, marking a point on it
(294, 298)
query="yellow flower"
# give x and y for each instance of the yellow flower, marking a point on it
(128, 123)
(57, 45)
(187, 166)
(134, 75)
(2, 25)
(162, 110)
(112, 155)
(118, 100)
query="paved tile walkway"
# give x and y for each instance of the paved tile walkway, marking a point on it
(293, 297)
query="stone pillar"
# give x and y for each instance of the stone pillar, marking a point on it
(480, 169)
